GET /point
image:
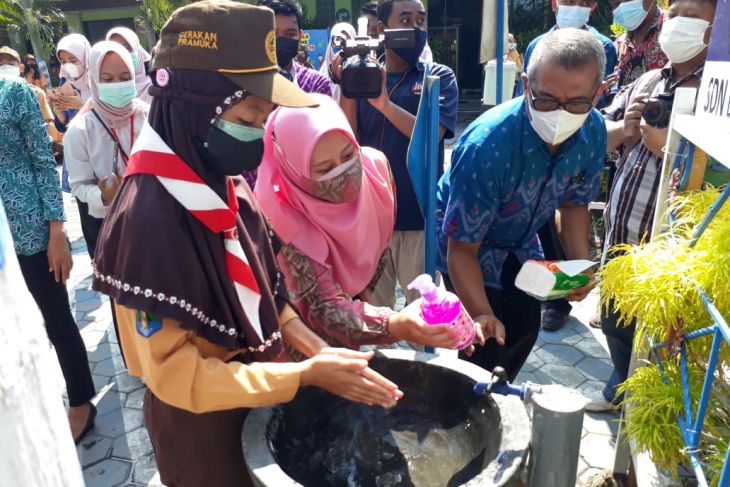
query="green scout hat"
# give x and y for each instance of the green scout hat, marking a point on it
(234, 39)
(10, 52)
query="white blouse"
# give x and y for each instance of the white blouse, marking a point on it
(89, 153)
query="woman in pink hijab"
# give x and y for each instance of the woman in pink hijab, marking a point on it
(129, 39)
(332, 204)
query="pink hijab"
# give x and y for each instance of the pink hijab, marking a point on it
(110, 114)
(141, 79)
(347, 238)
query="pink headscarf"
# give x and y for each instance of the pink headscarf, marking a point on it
(348, 238)
(110, 114)
(140, 75)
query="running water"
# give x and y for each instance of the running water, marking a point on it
(426, 441)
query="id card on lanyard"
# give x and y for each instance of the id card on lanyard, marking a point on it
(115, 138)
(118, 149)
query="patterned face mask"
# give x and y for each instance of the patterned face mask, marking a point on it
(340, 185)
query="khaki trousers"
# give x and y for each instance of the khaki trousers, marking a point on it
(406, 262)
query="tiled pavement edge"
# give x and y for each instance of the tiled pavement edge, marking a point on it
(118, 452)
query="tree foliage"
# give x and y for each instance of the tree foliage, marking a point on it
(43, 19)
(158, 11)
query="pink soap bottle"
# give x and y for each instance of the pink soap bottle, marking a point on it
(441, 307)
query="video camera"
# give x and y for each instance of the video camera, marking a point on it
(361, 76)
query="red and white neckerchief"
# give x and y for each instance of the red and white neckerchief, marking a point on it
(152, 156)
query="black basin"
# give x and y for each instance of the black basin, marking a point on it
(439, 435)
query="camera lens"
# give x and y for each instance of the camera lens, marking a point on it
(361, 79)
(656, 113)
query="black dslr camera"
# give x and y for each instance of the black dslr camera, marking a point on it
(657, 110)
(361, 77)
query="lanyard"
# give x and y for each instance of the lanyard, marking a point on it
(390, 94)
(118, 142)
(697, 73)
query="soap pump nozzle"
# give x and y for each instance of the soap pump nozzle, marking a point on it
(424, 284)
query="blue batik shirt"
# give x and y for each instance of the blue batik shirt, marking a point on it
(29, 185)
(503, 185)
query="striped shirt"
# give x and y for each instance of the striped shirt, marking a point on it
(309, 80)
(632, 198)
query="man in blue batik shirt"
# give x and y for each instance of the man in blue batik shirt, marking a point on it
(511, 170)
(568, 14)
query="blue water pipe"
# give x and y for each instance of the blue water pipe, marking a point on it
(505, 389)
(500, 51)
(432, 161)
(500, 385)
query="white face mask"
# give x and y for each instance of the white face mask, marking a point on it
(9, 71)
(572, 16)
(72, 70)
(683, 38)
(341, 169)
(555, 127)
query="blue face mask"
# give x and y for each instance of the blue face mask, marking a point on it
(630, 14)
(572, 16)
(117, 95)
(135, 59)
(411, 54)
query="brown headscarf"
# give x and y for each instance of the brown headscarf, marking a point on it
(152, 249)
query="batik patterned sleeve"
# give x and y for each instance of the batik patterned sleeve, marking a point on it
(327, 309)
(324, 86)
(474, 183)
(38, 144)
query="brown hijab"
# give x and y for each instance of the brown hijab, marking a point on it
(154, 256)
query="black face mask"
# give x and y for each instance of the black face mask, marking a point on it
(230, 156)
(286, 50)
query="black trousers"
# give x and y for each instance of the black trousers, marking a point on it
(520, 315)
(90, 227)
(553, 250)
(52, 299)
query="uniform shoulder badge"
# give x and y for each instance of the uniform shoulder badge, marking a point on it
(148, 324)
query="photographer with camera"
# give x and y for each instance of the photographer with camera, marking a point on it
(638, 119)
(385, 122)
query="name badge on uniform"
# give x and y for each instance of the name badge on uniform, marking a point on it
(148, 324)
(417, 88)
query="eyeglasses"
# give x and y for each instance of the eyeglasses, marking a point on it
(550, 105)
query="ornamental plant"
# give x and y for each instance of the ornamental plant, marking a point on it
(657, 286)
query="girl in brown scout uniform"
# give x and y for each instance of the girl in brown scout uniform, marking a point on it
(190, 261)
